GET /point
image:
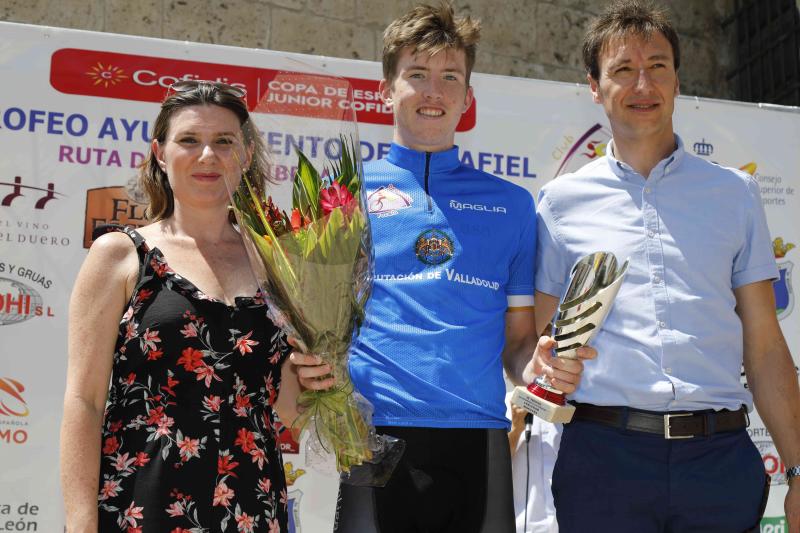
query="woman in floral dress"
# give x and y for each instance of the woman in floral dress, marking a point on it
(170, 349)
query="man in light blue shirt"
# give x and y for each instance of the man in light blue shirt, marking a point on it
(696, 303)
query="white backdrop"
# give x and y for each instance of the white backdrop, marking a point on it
(75, 112)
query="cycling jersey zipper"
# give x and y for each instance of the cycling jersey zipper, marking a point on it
(427, 173)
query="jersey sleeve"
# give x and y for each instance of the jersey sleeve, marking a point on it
(521, 270)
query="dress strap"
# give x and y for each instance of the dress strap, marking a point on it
(137, 239)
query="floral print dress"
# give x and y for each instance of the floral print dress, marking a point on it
(189, 441)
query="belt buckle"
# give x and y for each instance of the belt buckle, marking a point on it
(667, 418)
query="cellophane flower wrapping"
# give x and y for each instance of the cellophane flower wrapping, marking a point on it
(312, 255)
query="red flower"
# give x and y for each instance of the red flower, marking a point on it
(169, 389)
(244, 343)
(190, 359)
(225, 465)
(273, 214)
(333, 197)
(144, 294)
(111, 445)
(155, 415)
(246, 440)
(141, 459)
(154, 355)
(298, 220)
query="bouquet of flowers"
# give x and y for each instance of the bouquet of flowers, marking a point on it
(317, 273)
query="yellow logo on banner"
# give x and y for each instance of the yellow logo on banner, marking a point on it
(106, 75)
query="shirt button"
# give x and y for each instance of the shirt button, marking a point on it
(651, 234)
(647, 190)
(656, 280)
(668, 370)
(662, 324)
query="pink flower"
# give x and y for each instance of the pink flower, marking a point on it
(188, 448)
(205, 372)
(244, 343)
(122, 463)
(258, 457)
(212, 403)
(132, 513)
(130, 330)
(175, 509)
(164, 424)
(222, 495)
(189, 330)
(141, 459)
(244, 523)
(149, 339)
(264, 484)
(274, 526)
(109, 490)
(333, 197)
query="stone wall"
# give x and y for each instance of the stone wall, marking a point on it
(528, 38)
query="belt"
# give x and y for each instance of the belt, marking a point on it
(677, 425)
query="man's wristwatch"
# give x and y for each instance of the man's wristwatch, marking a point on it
(792, 472)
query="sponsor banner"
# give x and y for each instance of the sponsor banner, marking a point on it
(144, 78)
(75, 124)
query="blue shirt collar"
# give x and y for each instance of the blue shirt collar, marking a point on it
(669, 164)
(415, 161)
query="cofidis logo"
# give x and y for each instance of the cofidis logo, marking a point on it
(146, 79)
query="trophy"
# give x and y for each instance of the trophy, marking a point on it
(594, 283)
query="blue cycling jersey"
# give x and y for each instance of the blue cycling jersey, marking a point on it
(454, 248)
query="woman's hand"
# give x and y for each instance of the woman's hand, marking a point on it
(312, 372)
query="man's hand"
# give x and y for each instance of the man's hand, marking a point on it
(564, 374)
(517, 419)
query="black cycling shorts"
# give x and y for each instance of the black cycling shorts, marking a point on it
(449, 480)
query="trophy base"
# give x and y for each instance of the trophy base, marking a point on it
(544, 409)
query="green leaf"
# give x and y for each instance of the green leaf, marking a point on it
(305, 193)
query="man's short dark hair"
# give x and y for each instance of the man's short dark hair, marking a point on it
(622, 18)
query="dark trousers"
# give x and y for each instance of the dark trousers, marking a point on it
(449, 480)
(612, 480)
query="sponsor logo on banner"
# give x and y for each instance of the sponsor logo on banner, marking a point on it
(773, 465)
(434, 247)
(20, 302)
(113, 205)
(37, 197)
(703, 148)
(13, 412)
(784, 294)
(286, 439)
(295, 495)
(23, 197)
(146, 79)
(772, 188)
(774, 524)
(388, 201)
(589, 146)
